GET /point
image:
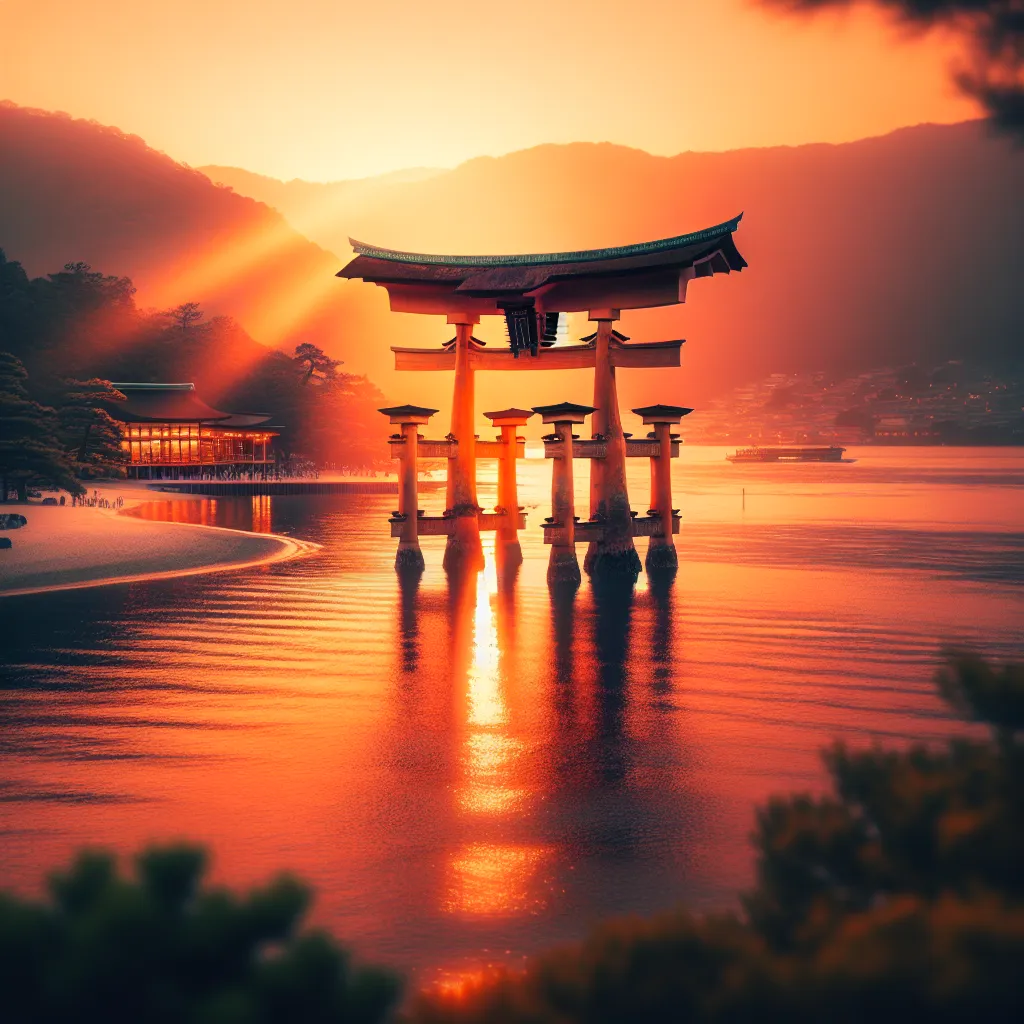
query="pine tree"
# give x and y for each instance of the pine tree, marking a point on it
(316, 366)
(161, 944)
(91, 435)
(30, 448)
(186, 316)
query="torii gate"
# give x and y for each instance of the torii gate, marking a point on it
(529, 291)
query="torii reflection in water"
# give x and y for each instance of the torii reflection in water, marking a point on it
(544, 710)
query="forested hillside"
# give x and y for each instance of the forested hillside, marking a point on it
(851, 265)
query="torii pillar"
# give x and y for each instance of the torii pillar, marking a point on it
(615, 554)
(661, 554)
(563, 567)
(463, 549)
(507, 549)
(410, 418)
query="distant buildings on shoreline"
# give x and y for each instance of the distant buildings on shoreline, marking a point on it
(952, 403)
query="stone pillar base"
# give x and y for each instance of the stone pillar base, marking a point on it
(507, 550)
(507, 561)
(563, 568)
(661, 558)
(409, 560)
(614, 564)
(464, 550)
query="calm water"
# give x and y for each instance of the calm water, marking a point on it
(468, 771)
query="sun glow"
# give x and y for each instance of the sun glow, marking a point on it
(328, 91)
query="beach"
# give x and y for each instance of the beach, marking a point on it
(65, 547)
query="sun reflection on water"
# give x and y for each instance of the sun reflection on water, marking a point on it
(490, 878)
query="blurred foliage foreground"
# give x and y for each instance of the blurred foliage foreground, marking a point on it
(900, 896)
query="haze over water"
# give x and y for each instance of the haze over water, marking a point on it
(468, 770)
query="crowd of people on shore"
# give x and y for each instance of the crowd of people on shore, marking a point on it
(95, 500)
(345, 470)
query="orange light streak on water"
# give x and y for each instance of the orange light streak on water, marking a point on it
(490, 878)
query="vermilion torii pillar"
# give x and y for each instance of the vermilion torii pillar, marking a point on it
(463, 548)
(661, 554)
(410, 418)
(563, 566)
(614, 554)
(506, 543)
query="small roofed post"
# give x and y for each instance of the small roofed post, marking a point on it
(563, 567)
(614, 556)
(661, 553)
(507, 549)
(463, 549)
(410, 418)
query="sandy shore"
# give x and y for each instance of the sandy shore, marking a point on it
(64, 548)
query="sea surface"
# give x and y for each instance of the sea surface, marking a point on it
(469, 770)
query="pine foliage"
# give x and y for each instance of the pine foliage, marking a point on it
(161, 946)
(91, 436)
(30, 446)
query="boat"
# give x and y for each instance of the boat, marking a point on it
(832, 453)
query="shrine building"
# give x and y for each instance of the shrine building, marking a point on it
(170, 433)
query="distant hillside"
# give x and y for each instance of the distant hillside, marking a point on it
(76, 191)
(308, 205)
(876, 252)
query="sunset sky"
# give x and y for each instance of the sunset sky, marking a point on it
(331, 89)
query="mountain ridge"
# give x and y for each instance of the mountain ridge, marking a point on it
(417, 173)
(877, 252)
(897, 247)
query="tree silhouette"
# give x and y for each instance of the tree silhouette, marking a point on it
(185, 316)
(30, 448)
(315, 365)
(160, 946)
(91, 435)
(993, 31)
(78, 288)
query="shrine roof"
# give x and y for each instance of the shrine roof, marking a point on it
(672, 412)
(163, 403)
(568, 408)
(507, 414)
(524, 272)
(243, 420)
(407, 410)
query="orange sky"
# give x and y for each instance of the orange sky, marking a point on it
(329, 89)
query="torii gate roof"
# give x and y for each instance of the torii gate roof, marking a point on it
(629, 276)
